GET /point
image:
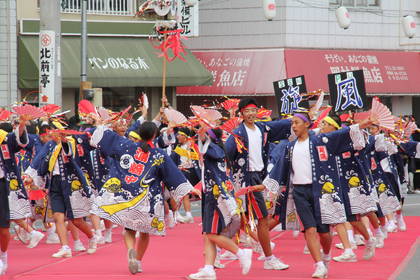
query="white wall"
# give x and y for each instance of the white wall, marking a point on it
(301, 24)
(8, 53)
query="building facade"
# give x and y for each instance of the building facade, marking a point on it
(309, 35)
(8, 53)
(122, 62)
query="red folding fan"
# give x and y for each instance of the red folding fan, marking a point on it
(50, 109)
(230, 104)
(175, 116)
(4, 115)
(382, 114)
(29, 110)
(86, 108)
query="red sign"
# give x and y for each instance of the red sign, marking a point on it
(322, 153)
(239, 72)
(385, 72)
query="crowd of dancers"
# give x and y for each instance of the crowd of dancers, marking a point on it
(305, 171)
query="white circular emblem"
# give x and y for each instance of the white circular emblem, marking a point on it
(126, 161)
(221, 166)
(270, 167)
(325, 140)
(241, 162)
(80, 140)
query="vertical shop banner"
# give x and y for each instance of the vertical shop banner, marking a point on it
(47, 69)
(188, 18)
(289, 95)
(347, 91)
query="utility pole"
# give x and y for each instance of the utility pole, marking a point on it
(50, 53)
(84, 84)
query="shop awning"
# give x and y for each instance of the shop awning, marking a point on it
(240, 72)
(386, 72)
(113, 62)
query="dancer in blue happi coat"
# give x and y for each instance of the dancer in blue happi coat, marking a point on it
(310, 165)
(11, 185)
(219, 211)
(248, 149)
(355, 191)
(132, 196)
(185, 156)
(69, 194)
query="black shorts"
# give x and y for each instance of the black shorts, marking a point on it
(379, 212)
(59, 202)
(4, 205)
(305, 207)
(256, 199)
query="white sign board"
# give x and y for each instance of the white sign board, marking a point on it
(47, 71)
(188, 19)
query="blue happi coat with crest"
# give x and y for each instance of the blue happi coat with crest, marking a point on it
(73, 183)
(323, 148)
(132, 195)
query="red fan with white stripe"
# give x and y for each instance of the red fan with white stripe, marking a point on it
(50, 108)
(175, 116)
(230, 125)
(208, 116)
(230, 104)
(29, 110)
(264, 113)
(382, 115)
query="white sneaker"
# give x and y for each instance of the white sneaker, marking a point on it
(246, 261)
(170, 219)
(36, 237)
(78, 247)
(2, 268)
(392, 227)
(3, 265)
(180, 218)
(227, 256)
(133, 264)
(92, 245)
(306, 250)
(53, 238)
(62, 253)
(275, 264)
(370, 249)
(100, 239)
(401, 223)
(360, 240)
(278, 228)
(341, 246)
(350, 257)
(384, 230)
(217, 263)
(320, 271)
(380, 242)
(203, 274)
(108, 236)
(189, 220)
(139, 266)
(22, 235)
(326, 259)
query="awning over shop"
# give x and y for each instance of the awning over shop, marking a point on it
(113, 62)
(240, 72)
(385, 73)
